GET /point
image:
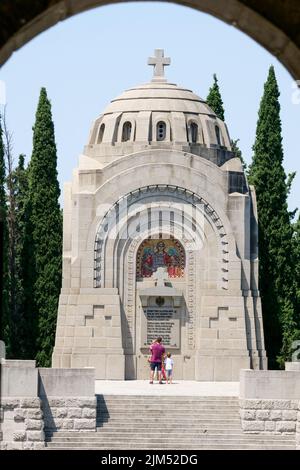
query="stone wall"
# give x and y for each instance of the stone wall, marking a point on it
(22, 424)
(71, 413)
(68, 397)
(270, 402)
(269, 416)
(35, 401)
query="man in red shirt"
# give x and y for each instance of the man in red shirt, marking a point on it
(157, 354)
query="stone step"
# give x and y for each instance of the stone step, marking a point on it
(186, 437)
(166, 402)
(121, 432)
(172, 398)
(183, 421)
(168, 428)
(167, 422)
(172, 445)
(180, 410)
(192, 432)
(198, 447)
(163, 406)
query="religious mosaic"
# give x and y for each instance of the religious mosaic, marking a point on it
(154, 253)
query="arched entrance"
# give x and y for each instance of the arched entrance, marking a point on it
(154, 228)
(160, 306)
(274, 25)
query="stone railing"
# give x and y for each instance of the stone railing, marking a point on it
(270, 416)
(72, 414)
(34, 401)
(22, 424)
(270, 402)
(68, 399)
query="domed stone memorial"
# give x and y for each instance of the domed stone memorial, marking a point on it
(160, 239)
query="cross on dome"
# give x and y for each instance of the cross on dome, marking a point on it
(159, 62)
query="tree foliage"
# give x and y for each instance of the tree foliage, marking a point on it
(4, 270)
(276, 247)
(214, 99)
(46, 224)
(237, 153)
(23, 335)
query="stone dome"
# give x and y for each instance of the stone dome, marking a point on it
(158, 114)
(158, 96)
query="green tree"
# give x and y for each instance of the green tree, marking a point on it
(277, 270)
(24, 329)
(46, 228)
(4, 270)
(237, 153)
(214, 99)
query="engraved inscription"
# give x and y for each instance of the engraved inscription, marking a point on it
(161, 322)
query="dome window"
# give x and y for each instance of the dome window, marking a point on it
(101, 133)
(126, 132)
(161, 130)
(193, 133)
(218, 135)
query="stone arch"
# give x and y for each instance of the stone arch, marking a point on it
(128, 295)
(114, 226)
(274, 27)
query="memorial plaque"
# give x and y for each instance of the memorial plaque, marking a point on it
(161, 321)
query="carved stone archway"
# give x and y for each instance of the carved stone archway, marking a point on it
(274, 25)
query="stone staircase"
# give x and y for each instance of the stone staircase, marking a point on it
(167, 422)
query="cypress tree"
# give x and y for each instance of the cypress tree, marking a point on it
(46, 223)
(4, 271)
(215, 102)
(24, 324)
(237, 153)
(214, 99)
(277, 272)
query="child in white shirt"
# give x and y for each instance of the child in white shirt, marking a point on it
(169, 365)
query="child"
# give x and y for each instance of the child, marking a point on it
(163, 370)
(169, 364)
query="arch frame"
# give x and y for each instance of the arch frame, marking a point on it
(115, 221)
(260, 26)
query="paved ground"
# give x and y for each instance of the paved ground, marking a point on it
(179, 387)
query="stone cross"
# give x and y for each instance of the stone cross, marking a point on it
(159, 62)
(160, 276)
(224, 321)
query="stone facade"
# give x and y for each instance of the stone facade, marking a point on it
(270, 401)
(158, 165)
(269, 416)
(22, 424)
(71, 413)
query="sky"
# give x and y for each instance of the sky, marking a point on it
(86, 61)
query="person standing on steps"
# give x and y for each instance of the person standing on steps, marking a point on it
(169, 365)
(157, 356)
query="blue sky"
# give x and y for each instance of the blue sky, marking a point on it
(86, 61)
